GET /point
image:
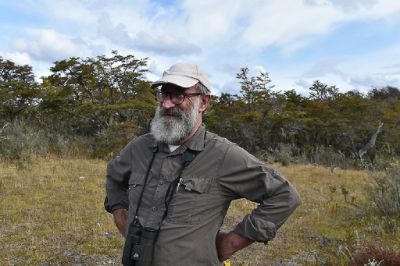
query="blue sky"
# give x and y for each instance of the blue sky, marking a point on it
(353, 44)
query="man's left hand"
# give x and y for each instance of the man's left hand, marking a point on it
(228, 243)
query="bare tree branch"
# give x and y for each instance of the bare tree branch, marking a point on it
(371, 142)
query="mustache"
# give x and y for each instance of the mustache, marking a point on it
(172, 112)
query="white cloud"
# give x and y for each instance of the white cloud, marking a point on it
(222, 36)
(375, 81)
(47, 45)
(39, 69)
(164, 45)
(346, 5)
(230, 86)
(325, 66)
(115, 33)
(258, 69)
(304, 86)
(273, 23)
(376, 69)
(212, 22)
(276, 24)
(68, 11)
(156, 70)
(19, 58)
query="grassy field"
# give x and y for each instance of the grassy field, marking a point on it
(51, 213)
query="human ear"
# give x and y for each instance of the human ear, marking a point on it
(204, 102)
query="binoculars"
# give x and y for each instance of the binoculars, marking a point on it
(139, 246)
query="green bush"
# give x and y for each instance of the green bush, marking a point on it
(109, 142)
(18, 141)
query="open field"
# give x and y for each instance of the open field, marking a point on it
(51, 213)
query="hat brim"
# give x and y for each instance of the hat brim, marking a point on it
(181, 81)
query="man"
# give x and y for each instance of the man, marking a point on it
(152, 184)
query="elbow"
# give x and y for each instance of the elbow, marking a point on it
(295, 199)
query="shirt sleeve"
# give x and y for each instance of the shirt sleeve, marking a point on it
(118, 173)
(244, 176)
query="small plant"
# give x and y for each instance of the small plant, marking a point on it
(345, 192)
(332, 189)
(374, 262)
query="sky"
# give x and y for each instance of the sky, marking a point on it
(352, 44)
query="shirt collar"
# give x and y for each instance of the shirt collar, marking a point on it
(196, 142)
(152, 144)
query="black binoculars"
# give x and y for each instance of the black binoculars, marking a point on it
(139, 246)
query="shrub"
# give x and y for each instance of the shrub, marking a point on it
(18, 141)
(385, 193)
(109, 142)
(329, 157)
(374, 255)
(283, 154)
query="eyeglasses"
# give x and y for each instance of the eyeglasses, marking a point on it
(176, 98)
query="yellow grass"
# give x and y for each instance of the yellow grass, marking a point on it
(51, 213)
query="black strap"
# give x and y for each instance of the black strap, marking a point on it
(135, 219)
(187, 157)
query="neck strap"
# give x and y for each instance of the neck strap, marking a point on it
(135, 219)
(187, 157)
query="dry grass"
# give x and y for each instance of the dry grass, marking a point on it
(334, 216)
(51, 213)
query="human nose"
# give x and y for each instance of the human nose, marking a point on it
(167, 102)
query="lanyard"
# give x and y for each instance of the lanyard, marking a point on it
(135, 219)
(187, 157)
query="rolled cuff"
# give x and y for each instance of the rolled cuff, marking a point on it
(110, 206)
(256, 229)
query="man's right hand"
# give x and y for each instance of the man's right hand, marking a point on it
(121, 220)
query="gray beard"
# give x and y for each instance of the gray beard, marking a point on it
(173, 130)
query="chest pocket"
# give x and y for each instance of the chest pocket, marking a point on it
(190, 200)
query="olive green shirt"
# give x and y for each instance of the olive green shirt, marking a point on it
(220, 173)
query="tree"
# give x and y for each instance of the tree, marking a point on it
(386, 93)
(322, 92)
(254, 89)
(98, 92)
(18, 89)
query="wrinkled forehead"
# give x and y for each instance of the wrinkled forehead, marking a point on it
(172, 88)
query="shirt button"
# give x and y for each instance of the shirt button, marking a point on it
(154, 208)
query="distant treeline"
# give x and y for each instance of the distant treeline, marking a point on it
(94, 106)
